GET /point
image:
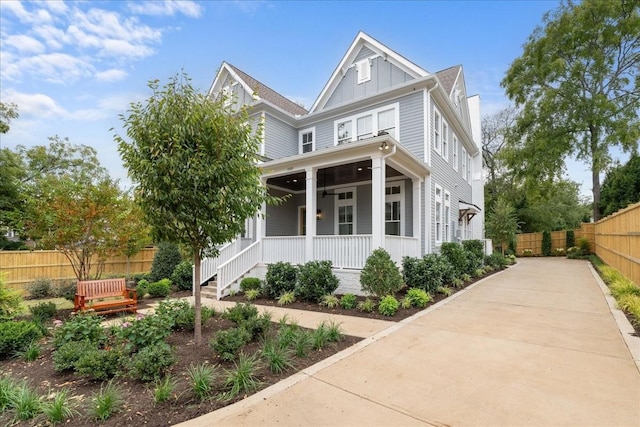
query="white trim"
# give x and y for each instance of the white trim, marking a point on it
(363, 70)
(455, 148)
(463, 156)
(374, 113)
(437, 131)
(345, 202)
(301, 208)
(438, 199)
(445, 140)
(469, 170)
(263, 122)
(446, 217)
(312, 131)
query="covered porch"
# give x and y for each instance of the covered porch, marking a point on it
(342, 203)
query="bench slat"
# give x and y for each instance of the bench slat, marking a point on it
(89, 290)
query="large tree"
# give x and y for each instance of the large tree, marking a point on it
(195, 163)
(578, 86)
(8, 112)
(621, 186)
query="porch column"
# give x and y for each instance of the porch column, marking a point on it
(377, 201)
(261, 226)
(417, 231)
(311, 204)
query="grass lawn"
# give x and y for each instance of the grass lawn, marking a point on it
(60, 303)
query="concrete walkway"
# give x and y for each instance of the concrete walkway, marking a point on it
(534, 345)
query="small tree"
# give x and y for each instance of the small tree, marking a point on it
(380, 275)
(546, 243)
(502, 225)
(196, 165)
(570, 239)
(164, 261)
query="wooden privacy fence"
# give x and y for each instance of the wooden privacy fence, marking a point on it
(23, 267)
(615, 239)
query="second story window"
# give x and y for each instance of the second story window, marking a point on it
(454, 150)
(365, 129)
(437, 123)
(367, 124)
(387, 122)
(445, 140)
(306, 139)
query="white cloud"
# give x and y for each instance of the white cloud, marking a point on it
(123, 48)
(52, 67)
(38, 16)
(55, 38)
(249, 7)
(167, 7)
(36, 105)
(24, 44)
(112, 75)
(57, 7)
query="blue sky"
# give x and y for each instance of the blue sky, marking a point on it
(72, 67)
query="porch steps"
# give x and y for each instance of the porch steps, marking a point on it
(210, 291)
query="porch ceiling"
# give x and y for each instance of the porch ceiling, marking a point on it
(332, 176)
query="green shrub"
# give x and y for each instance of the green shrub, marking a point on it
(479, 272)
(429, 272)
(418, 297)
(315, 279)
(330, 301)
(546, 243)
(165, 261)
(227, 343)
(182, 276)
(252, 294)
(8, 387)
(380, 275)
(65, 289)
(388, 306)
(474, 252)
(40, 288)
(163, 389)
(249, 283)
(68, 354)
(159, 289)
(348, 301)
(583, 244)
(243, 377)
(43, 311)
(101, 364)
(106, 402)
(257, 326)
(496, 260)
(240, 312)
(81, 327)
(458, 283)
(281, 278)
(26, 403)
(183, 314)
(287, 298)
(60, 408)
(16, 336)
(278, 358)
(367, 305)
(201, 379)
(444, 291)
(10, 301)
(151, 363)
(570, 239)
(141, 288)
(30, 352)
(148, 331)
(456, 255)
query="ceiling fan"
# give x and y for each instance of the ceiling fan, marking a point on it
(324, 191)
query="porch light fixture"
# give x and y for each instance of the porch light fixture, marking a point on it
(318, 214)
(384, 146)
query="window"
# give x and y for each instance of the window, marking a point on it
(468, 168)
(363, 69)
(387, 122)
(447, 216)
(306, 140)
(454, 151)
(344, 132)
(438, 204)
(367, 124)
(365, 129)
(445, 140)
(436, 131)
(392, 209)
(346, 211)
(464, 164)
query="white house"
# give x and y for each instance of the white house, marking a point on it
(388, 156)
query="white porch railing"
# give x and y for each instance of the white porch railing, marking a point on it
(209, 266)
(286, 249)
(343, 251)
(234, 268)
(401, 246)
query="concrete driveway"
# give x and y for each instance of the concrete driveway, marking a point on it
(534, 345)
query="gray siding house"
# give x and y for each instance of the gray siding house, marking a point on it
(388, 156)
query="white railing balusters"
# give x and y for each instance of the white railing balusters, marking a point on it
(401, 246)
(209, 266)
(284, 248)
(234, 268)
(343, 251)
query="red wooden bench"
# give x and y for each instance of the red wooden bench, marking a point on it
(105, 296)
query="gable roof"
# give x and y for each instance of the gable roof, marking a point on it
(361, 40)
(262, 91)
(448, 77)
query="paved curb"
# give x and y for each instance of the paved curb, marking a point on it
(245, 405)
(626, 330)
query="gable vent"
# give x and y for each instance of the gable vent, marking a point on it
(364, 71)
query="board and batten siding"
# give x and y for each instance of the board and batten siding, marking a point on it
(281, 139)
(383, 76)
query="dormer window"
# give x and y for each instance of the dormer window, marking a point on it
(363, 69)
(306, 139)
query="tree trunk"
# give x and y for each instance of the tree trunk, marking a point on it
(595, 172)
(197, 330)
